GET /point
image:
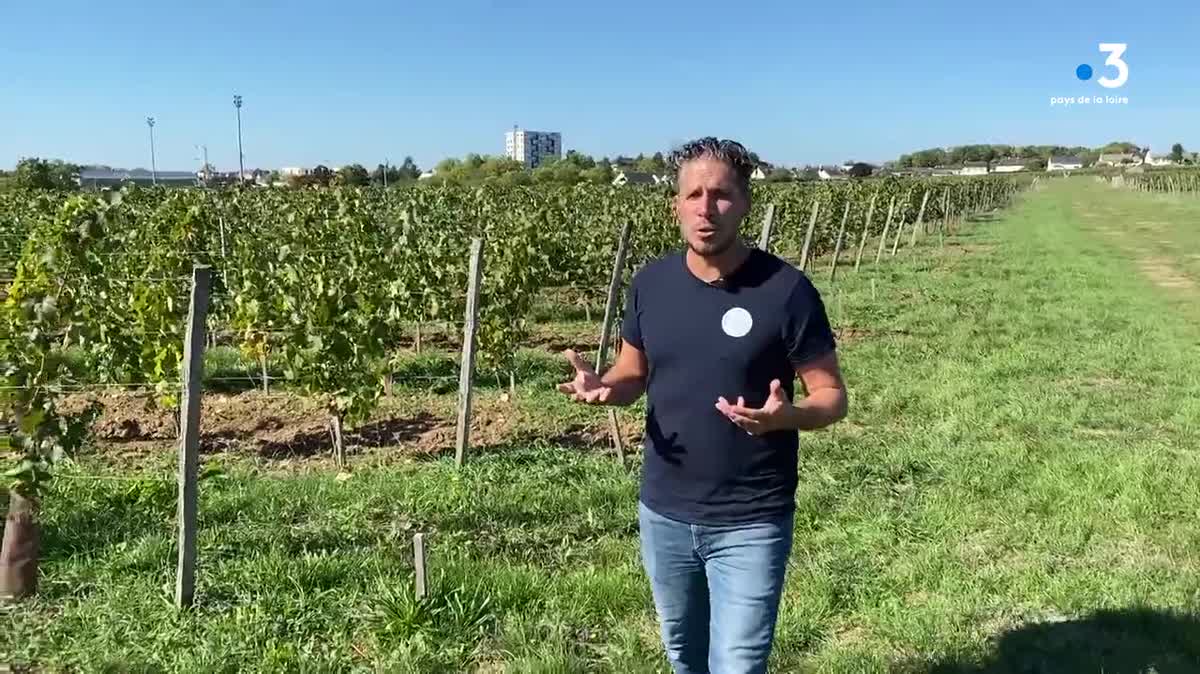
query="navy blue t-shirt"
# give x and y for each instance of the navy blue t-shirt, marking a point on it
(730, 339)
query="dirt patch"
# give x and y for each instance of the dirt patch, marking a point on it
(1163, 274)
(558, 338)
(275, 425)
(285, 428)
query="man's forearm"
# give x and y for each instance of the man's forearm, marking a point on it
(624, 389)
(820, 409)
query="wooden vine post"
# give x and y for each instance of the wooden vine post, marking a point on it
(189, 437)
(466, 374)
(837, 246)
(808, 235)
(422, 578)
(900, 225)
(862, 242)
(610, 314)
(886, 227)
(764, 238)
(920, 223)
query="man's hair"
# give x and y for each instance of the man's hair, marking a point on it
(731, 152)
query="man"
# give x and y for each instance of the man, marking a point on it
(715, 336)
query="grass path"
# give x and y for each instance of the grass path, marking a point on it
(1016, 490)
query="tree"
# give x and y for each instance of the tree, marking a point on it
(409, 169)
(1118, 147)
(392, 173)
(35, 173)
(354, 175)
(1177, 152)
(656, 164)
(601, 174)
(780, 175)
(320, 175)
(860, 170)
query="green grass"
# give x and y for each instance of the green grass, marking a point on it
(1015, 490)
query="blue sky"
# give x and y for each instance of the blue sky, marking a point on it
(327, 82)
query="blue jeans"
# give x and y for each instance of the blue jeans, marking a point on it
(716, 590)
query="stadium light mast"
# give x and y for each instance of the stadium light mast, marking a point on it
(204, 167)
(237, 103)
(153, 162)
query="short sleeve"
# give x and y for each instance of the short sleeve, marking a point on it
(806, 329)
(631, 326)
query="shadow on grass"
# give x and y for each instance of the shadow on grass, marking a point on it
(1127, 641)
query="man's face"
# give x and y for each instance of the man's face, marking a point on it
(710, 205)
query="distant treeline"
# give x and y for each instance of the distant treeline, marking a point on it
(947, 156)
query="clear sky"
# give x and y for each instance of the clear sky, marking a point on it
(798, 82)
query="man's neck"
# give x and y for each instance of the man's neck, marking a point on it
(715, 267)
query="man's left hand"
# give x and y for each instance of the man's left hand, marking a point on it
(775, 414)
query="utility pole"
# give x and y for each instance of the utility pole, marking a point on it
(153, 162)
(385, 168)
(237, 103)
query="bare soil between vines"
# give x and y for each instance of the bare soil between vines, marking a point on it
(286, 427)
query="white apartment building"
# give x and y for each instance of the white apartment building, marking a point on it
(531, 147)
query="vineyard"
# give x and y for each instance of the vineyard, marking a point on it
(1171, 181)
(334, 283)
(327, 295)
(993, 503)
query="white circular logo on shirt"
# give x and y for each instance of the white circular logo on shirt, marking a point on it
(737, 322)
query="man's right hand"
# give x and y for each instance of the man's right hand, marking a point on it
(586, 387)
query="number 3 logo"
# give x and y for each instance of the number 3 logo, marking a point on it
(1115, 51)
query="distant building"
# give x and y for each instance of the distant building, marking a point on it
(294, 171)
(1063, 163)
(1010, 165)
(1159, 160)
(831, 173)
(1166, 160)
(946, 170)
(98, 177)
(760, 173)
(532, 147)
(1118, 159)
(974, 168)
(637, 178)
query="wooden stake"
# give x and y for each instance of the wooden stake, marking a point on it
(189, 440)
(467, 367)
(900, 225)
(945, 210)
(419, 565)
(920, 223)
(837, 246)
(610, 313)
(812, 224)
(764, 238)
(614, 430)
(339, 446)
(886, 227)
(262, 362)
(862, 242)
(614, 291)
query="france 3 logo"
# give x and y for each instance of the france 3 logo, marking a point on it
(1115, 51)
